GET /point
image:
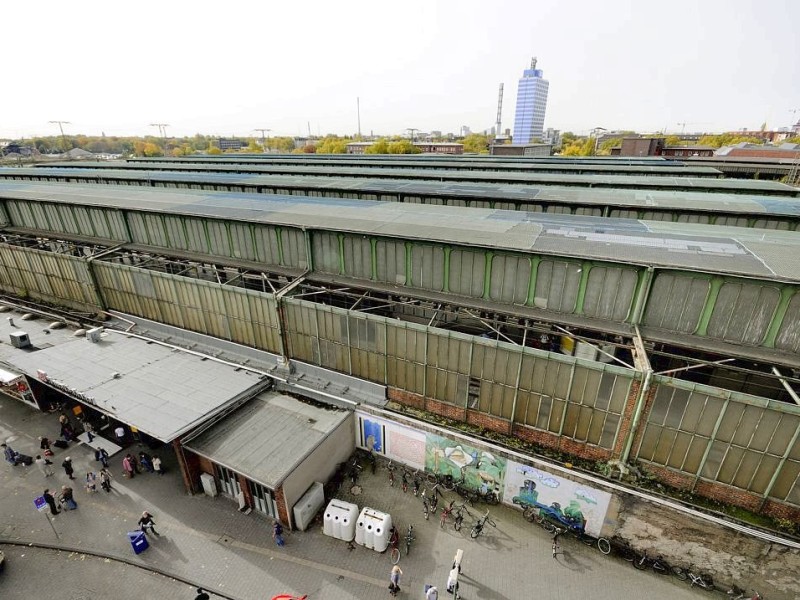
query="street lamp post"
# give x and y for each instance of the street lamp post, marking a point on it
(263, 138)
(596, 131)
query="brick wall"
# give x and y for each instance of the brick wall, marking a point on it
(283, 513)
(489, 422)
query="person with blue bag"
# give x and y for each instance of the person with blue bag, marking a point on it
(277, 533)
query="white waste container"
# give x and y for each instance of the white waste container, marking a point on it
(372, 529)
(340, 520)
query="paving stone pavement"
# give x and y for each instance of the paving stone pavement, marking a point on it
(207, 542)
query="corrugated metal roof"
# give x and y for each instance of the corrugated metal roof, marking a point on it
(567, 179)
(161, 391)
(449, 162)
(266, 438)
(711, 202)
(658, 243)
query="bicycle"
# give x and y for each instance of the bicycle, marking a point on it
(737, 593)
(409, 538)
(556, 545)
(394, 544)
(391, 468)
(458, 516)
(446, 481)
(433, 496)
(658, 564)
(426, 509)
(477, 528)
(529, 512)
(446, 512)
(700, 580)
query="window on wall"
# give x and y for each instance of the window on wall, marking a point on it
(731, 442)
(743, 312)
(263, 499)
(228, 480)
(557, 284)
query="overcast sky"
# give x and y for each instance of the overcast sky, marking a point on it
(226, 68)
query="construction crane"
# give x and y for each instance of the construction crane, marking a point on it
(61, 127)
(162, 130)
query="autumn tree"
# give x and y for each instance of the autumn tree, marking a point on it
(402, 147)
(332, 144)
(213, 150)
(379, 147)
(476, 143)
(281, 144)
(727, 139)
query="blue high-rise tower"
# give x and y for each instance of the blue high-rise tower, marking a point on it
(531, 105)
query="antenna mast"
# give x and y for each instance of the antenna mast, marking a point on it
(498, 130)
(358, 108)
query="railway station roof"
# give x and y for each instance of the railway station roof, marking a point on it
(761, 253)
(695, 202)
(665, 182)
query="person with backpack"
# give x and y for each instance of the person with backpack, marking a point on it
(277, 533)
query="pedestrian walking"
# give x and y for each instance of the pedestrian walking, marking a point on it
(135, 463)
(44, 465)
(202, 595)
(432, 593)
(157, 465)
(105, 479)
(89, 429)
(146, 521)
(91, 482)
(102, 456)
(120, 433)
(67, 499)
(394, 580)
(146, 461)
(277, 533)
(127, 466)
(11, 455)
(68, 468)
(51, 502)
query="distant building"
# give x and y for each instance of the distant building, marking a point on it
(521, 149)
(531, 105)
(642, 146)
(552, 136)
(745, 150)
(425, 147)
(686, 151)
(230, 144)
(656, 146)
(774, 137)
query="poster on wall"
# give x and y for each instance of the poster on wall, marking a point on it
(557, 498)
(401, 444)
(473, 468)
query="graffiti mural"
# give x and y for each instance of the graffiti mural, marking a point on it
(577, 505)
(473, 468)
(401, 444)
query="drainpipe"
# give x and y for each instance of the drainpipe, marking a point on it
(637, 415)
(643, 362)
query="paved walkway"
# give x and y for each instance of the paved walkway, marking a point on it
(207, 542)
